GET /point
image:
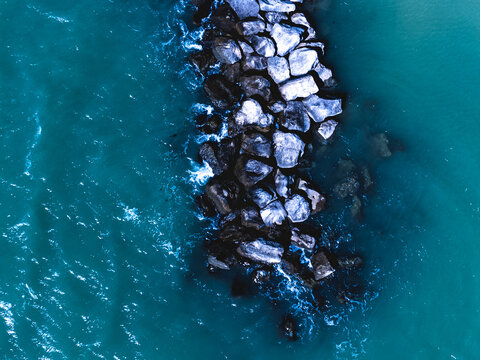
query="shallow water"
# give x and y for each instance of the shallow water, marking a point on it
(102, 245)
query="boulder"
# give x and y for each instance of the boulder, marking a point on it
(223, 194)
(226, 50)
(321, 266)
(231, 234)
(254, 62)
(275, 17)
(288, 148)
(250, 218)
(262, 197)
(283, 6)
(208, 123)
(301, 87)
(295, 117)
(302, 60)
(218, 156)
(286, 38)
(273, 214)
(277, 107)
(246, 48)
(324, 73)
(223, 18)
(251, 113)
(261, 251)
(203, 60)
(244, 8)
(380, 144)
(256, 144)
(251, 171)
(317, 200)
(223, 93)
(250, 27)
(300, 19)
(263, 45)
(319, 108)
(256, 85)
(302, 240)
(283, 184)
(298, 209)
(327, 129)
(278, 69)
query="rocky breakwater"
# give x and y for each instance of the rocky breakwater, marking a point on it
(262, 69)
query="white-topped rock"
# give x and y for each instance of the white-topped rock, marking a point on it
(246, 49)
(264, 46)
(261, 251)
(286, 37)
(327, 128)
(278, 69)
(298, 208)
(262, 197)
(273, 214)
(226, 50)
(300, 19)
(288, 148)
(302, 60)
(298, 88)
(250, 27)
(244, 8)
(251, 113)
(319, 108)
(275, 17)
(284, 6)
(316, 45)
(324, 73)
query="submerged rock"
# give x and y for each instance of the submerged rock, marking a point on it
(226, 50)
(380, 144)
(301, 88)
(298, 209)
(319, 108)
(352, 262)
(286, 37)
(261, 251)
(289, 328)
(321, 266)
(288, 148)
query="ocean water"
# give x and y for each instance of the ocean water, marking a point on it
(101, 241)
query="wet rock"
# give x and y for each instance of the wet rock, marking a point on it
(223, 194)
(251, 113)
(300, 19)
(288, 328)
(273, 214)
(348, 187)
(321, 266)
(207, 207)
(319, 108)
(283, 184)
(302, 60)
(302, 240)
(380, 144)
(350, 262)
(298, 209)
(262, 197)
(218, 156)
(261, 251)
(286, 38)
(278, 69)
(264, 46)
(244, 8)
(218, 264)
(288, 148)
(250, 218)
(325, 74)
(203, 9)
(317, 200)
(250, 27)
(221, 92)
(232, 72)
(301, 87)
(327, 129)
(295, 117)
(207, 154)
(226, 50)
(203, 60)
(256, 144)
(260, 276)
(251, 171)
(224, 18)
(283, 6)
(256, 85)
(209, 123)
(254, 62)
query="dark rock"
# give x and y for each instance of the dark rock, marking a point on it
(207, 154)
(319, 108)
(283, 6)
(256, 144)
(264, 46)
(288, 148)
(286, 38)
(231, 235)
(302, 61)
(206, 205)
(218, 156)
(221, 92)
(203, 9)
(244, 8)
(218, 264)
(251, 113)
(350, 262)
(301, 87)
(256, 85)
(250, 218)
(254, 62)
(298, 209)
(295, 117)
(278, 69)
(226, 50)
(224, 18)
(250, 27)
(348, 187)
(380, 144)
(317, 200)
(289, 328)
(283, 184)
(260, 276)
(251, 171)
(209, 124)
(302, 240)
(273, 214)
(261, 251)
(224, 194)
(321, 266)
(232, 72)
(203, 60)
(326, 129)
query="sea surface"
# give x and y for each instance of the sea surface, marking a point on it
(101, 244)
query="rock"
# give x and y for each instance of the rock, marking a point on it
(256, 85)
(254, 62)
(356, 208)
(321, 266)
(286, 37)
(302, 60)
(203, 9)
(275, 17)
(206, 152)
(223, 194)
(326, 129)
(273, 214)
(295, 117)
(380, 144)
(246, 48)
(218, 156)
(251, 113)
(348, 187)
(250, 218)
(319, 108)
(224, 19)
(260, 276)
(317, 200)
(324, 73)
(298, 209)
(203, 60)
(264, 46)
(289, 328)
(302, 240)
(204, 203)
(250, 27)
(288, 148)
(244, 8)
(251, 171)
(226, 50)
(232, 72)
(283, 6)
(214, 262)
(261, 251)
(366, 178)
(209, 123)
(262, 197)
(350, 262)
(299, 88)
(256, 144)
(231, 235)
(221, 92)
(316, 45)
(277, 107)
(283, 184)
(278, 69)
(300, 19)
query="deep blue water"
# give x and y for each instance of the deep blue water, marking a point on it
(101, 241)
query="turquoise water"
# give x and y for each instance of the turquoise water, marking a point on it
(101, 243)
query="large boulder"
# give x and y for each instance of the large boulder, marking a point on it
(254, 62)
(250, 27)
(298, 209)
(273, 214)
(321, 266)
(284, 6)
(223, 18)
(261, 251)
(319, 108)
(203, 60)
(256, 85)
(302, 60)
(295, 117)
(218, 156)
(301, 87)
(286, 37)
(263, 45)
(326, 129)
(251, 114)
(256, 144)
(224, 194)
(226, 50)
(262, 197)
(288, 148)
(278, 69)
(301, 239)
(244, 8)
(275, 17)
(251, 171)
(223, 93)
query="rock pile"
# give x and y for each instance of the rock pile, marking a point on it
(262, 67)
